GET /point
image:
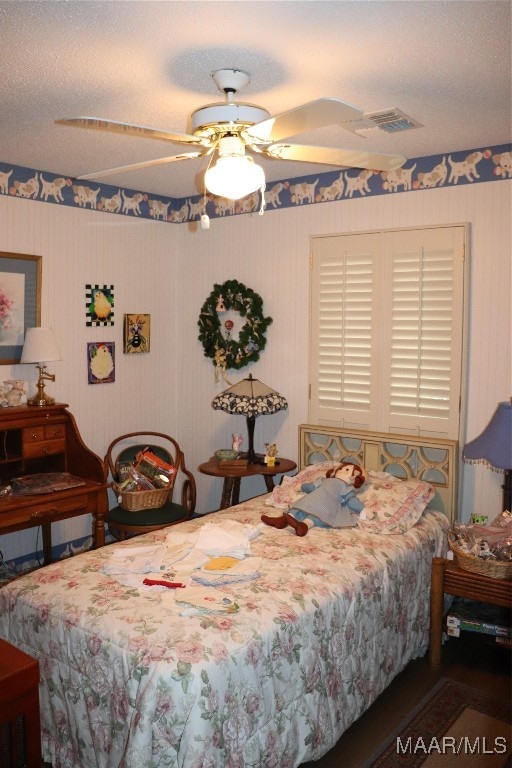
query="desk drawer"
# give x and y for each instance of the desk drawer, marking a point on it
(40, 512)
(43, 432)
(44, 440)
(62, 506)
(44, 448)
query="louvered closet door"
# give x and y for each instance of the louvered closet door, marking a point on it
(344, 342)
(386, 330)
(422, 344)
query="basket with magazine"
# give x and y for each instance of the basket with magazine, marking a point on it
(485, 550)
(145, 483)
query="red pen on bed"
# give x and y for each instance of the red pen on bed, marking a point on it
(162, 583)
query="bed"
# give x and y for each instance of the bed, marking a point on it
(281, 658)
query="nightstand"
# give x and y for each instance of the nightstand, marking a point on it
(448, 578)
(20, 730)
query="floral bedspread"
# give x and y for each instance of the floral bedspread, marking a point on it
(128, 681)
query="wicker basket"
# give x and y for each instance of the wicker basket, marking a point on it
(135, 501)
(496, 569)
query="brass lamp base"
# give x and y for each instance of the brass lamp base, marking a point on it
(41, 399)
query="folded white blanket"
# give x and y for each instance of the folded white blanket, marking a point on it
(191, 550)
(226, 537)
(134, 559)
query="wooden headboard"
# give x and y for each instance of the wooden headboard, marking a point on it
(434, 460)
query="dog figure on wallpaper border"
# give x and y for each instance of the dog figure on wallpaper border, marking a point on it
(330, 502)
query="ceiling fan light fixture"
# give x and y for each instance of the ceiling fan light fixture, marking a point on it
(230, 127)
(234, 175)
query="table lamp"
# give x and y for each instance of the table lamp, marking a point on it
(494, 448)
(40, 347)
(250, 398)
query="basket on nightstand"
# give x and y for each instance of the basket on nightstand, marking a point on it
(495, 569)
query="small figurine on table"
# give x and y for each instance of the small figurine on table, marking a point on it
(14, 395)
(270, 455)
(330, 502)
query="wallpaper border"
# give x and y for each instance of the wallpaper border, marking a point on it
(446, 170)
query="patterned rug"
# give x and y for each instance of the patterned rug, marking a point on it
(454, 726)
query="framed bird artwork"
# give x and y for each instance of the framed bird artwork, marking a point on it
(99, 305)
(101, 364)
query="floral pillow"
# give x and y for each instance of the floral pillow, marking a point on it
(396, 504)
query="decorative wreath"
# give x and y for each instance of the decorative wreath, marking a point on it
(225, 351)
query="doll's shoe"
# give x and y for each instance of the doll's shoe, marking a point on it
(275, 522)
(300, 528)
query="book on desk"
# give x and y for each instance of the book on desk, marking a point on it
(44, 482)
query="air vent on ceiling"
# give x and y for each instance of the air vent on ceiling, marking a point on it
(391, 120)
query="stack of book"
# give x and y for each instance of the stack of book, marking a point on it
(491, 622)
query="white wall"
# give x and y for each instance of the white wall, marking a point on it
(169, 270)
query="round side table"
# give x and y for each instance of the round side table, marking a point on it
(233, 474)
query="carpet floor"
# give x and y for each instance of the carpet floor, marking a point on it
(454, 725)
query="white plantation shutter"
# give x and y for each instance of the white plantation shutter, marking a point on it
(386, 330)
(343, 338)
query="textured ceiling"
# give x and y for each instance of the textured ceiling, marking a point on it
(446, 64)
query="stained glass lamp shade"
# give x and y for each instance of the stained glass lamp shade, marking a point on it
(250, 398)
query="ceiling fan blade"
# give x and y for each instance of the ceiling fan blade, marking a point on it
(314, 114)
(352, 158)
(144, 164)
(111, 126)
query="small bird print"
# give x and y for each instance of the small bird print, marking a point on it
(102, 362)
(101, 305)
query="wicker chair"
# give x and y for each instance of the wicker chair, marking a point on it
(124, 522)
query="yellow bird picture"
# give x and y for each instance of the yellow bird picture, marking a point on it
(101, 305)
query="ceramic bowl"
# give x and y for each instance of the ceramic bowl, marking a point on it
(226, 454)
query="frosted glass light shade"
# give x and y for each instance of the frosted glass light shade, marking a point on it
(234, 177)
(40, 346)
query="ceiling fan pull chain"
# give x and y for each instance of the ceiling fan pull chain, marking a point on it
(263, 201)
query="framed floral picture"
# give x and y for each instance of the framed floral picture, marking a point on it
(101, 362)
(136, 335)
(20, 302)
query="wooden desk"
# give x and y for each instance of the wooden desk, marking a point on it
(35, 439)
(233, 475)
(448, 578)
(20, 730)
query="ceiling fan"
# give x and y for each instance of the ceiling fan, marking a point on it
(231, 127)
